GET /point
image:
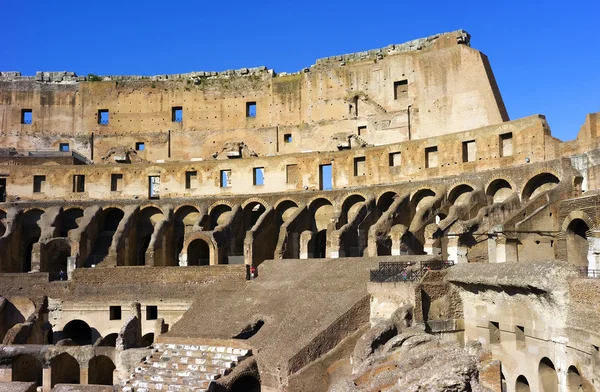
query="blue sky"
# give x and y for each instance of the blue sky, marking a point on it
(545, 55)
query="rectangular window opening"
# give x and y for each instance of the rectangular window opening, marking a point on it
(506, 147)
(291, 174)
(520, 335)
(494, 328)
(115, 312)
(191, 179)
(116, 182)
(258, 174)
(2, 190)
(469, 151)
(177, 114)
(360, 164)
(78, 183)
(140, 146)
(103, 116)
(154, 187)
(39, 184)
(225, 178)
(63, 147)
(287, 138)
(251, 109)
(325, 177)
(26, 116)
(431, 157)
(395, 159)
(151, 312)
(362, 131)
(400, 89)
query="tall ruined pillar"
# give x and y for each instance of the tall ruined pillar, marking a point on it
(506, 249)
(457, 252)
(593, 255)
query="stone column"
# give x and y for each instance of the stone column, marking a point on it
(83, 375)
(6, 373)
(433, 247)
(305, 239)
(47, 379)
(35, 258)
(183, 261)
(506, 249)
(71, 265)
(456, 251)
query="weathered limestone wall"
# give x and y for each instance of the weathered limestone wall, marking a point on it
(450, 88)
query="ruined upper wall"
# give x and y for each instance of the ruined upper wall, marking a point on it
(424, 88)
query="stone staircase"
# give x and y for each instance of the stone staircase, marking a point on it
(184, 367)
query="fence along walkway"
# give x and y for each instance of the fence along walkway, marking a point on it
(397, 271)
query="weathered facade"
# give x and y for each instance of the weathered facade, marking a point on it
(219, 229)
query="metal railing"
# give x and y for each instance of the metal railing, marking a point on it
(585, 272)
(396, 271)
(54, 154)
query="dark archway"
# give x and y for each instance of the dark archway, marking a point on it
(27, 368)
(198, 253)
(219, 215)
(252, 212)
(185, 219)
(522, 384)
(547, 376)
(142, 248)
(78, 331)
(539, 184)
(498, 191)
(69, 220)
(101, 370)
(285, 210)
(30, 234)
(109, 340)
(112, 219)
(574, 381)
(245, 384)
(577, 244)
(458, 194)
(320, 243)
(58, 252)
(421, 198)
(147, 339)
(64, 370)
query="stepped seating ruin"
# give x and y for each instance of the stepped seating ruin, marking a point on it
(373, 222)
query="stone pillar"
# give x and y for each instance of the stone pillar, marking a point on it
(71, 265)
(593, 254)
(433, 247)
(456, 251)
(35, 258)
(506, 249)
(183, 261)
(83, 375)
(6, 373)
(491, 243)
(305, 239)
(46, 379)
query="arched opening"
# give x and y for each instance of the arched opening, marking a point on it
(219, 215)
(30, 234)
(64, 370)
(198, 253)
(385, 201)
(422, 198)
(109, 340)
(574, 382)
(69, 220)
(522, 384)
(577, 244)
(245, 384)
(320, 244)
(101, 370)
(147, 220)
(547, 376)
(323, 213)
(147, 339)
(252, 212)
(185, 219)
(27, 368)
(142, 248)
(539, 184)
(285, 210)
(110, 220)
(460, 194)
(2, 222)
(58, 252)
(350, 208)
(78, 331)
(499, 190)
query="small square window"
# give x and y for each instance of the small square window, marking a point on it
(400, 89)
(225, 178)
(78, 183)
(359, 166)
(291, 174)
(251, 109)
(494, 328)
(140, 146)
(287, 138)
(39, 184)
(103, 116)
(395, 158)
(362, 131)
(116, 182)
(259, 175)
(431, 157)
(151, 312)
(506, 147)
(26, 116)
(63, 147)
(177, 114)
(469, 151)
(191, 179)
(115, 312)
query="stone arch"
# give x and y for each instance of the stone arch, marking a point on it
(286, 200)
(576, 237)
(186, 217)
(548, 378)
(64, 370)
(385, 200)
(100, 370)
(245, 383)
(539, 184)
(69, 220)
(109, 340)
(350, 207)
(30, 235)
(322, 213)
(218, 214)
(522, 385)
(252, 210)
(574, 380)
(27, 368)
(220, 202)
(111, 218)
(284, 210)
(147, 339)
(455, 195)
(198, 252)
(78, 331)
(58, 251)
(498, 190)
(421, 197)
(255, 200)
(147, 219)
